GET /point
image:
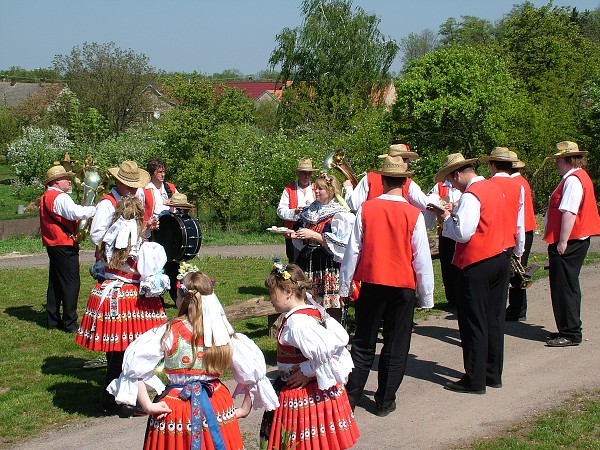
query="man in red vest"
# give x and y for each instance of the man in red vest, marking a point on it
(58, 226)
(129, 179)
(517, 297)
(571, 219)
(157, 194)
(388, 252)
(295, 197)
(476, 224)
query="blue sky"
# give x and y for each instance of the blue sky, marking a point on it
(205, 36)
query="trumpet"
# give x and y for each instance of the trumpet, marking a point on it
(336, 160)
(521, 276)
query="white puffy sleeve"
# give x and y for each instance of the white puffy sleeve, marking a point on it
(341, 227)
(151, 260)
(324, 346)
(141, 358)
(249, 370)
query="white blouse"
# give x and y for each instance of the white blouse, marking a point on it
(324, 346)
(145, 353)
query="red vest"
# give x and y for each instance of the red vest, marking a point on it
(149, 200)
(376, 186)
(511, 189)
(443, 190)
(111, 198)
(55, 229)
(530, 223)
(178, 359)
(488, 239)
(288, 354)
(386, 256)
(587, 221)
(293, 195)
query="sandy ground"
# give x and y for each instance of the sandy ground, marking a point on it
(536, 378)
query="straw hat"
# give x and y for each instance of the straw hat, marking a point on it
(56, 172)
(130, 174)
(393, 166)
(400, 150)
(500, 154)
(179, 200)
(304, 165)
(518, 164)
(567, 148)
(452, 162)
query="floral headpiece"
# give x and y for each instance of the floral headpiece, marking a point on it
(281, 269)
(184, 269)
(328, 178)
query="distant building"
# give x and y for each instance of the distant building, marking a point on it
(13, 93)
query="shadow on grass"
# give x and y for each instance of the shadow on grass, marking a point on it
(81, 396)
(28, 314)
(254, 290)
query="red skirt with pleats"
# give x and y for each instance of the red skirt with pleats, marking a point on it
(111, 325)
(175, 431)
(311, 419)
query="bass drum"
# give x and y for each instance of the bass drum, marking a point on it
(180, 235)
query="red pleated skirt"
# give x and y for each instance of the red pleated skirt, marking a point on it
(112, 325)
(311, 419)
(175, 431)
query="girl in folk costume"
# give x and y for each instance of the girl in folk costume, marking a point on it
(127, 303)
(313, 363)
(195, 410)
(326, 227)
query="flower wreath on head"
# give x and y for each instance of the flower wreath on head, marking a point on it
(184, 269)
(281, 269)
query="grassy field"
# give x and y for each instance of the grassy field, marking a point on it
(45, 367)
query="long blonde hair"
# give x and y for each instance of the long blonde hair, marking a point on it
(127, 208)
(196, 284)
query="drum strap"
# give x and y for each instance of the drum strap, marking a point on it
(168, 189)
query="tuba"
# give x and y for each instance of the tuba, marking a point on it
(91, 185)
(520, 276)
(336, 160)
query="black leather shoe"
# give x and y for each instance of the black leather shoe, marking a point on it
(458, 387)
(561, 342)
(382, 412)
(493, 385)
(132, 411)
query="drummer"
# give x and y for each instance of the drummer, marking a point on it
(158, 191)
(177, 204)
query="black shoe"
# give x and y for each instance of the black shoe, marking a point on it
(561, 342)
(462, 389)
(515, 319)
(132, 411)
(493, 385)
(382, 412)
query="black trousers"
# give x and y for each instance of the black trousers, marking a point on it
(395, 307)
(517, 298)
(564, 287)
(113, 370)
(172, 270)
(63, 286)
(481, 309)
(450, 272)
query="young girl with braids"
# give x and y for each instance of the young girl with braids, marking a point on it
(313, 364)
(127, 303)
(195, 410)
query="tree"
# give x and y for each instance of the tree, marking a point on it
(461, 99)
(109, 79)
(590, 24)
(336, 60)
(471, 31)
(414, 46)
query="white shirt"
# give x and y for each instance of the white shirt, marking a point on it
(357, 196)
(465, 216)
(160, 197)
(104, 216)
(305, 197)
(572, 196)
(421, 256)
(452, 197)
(64, 206)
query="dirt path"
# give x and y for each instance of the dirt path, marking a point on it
(428, 417)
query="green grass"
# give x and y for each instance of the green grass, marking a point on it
(43, 384)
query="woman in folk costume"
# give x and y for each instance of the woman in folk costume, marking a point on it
(313, 363)
(195, 410)
(326, 227)
(127, 303)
